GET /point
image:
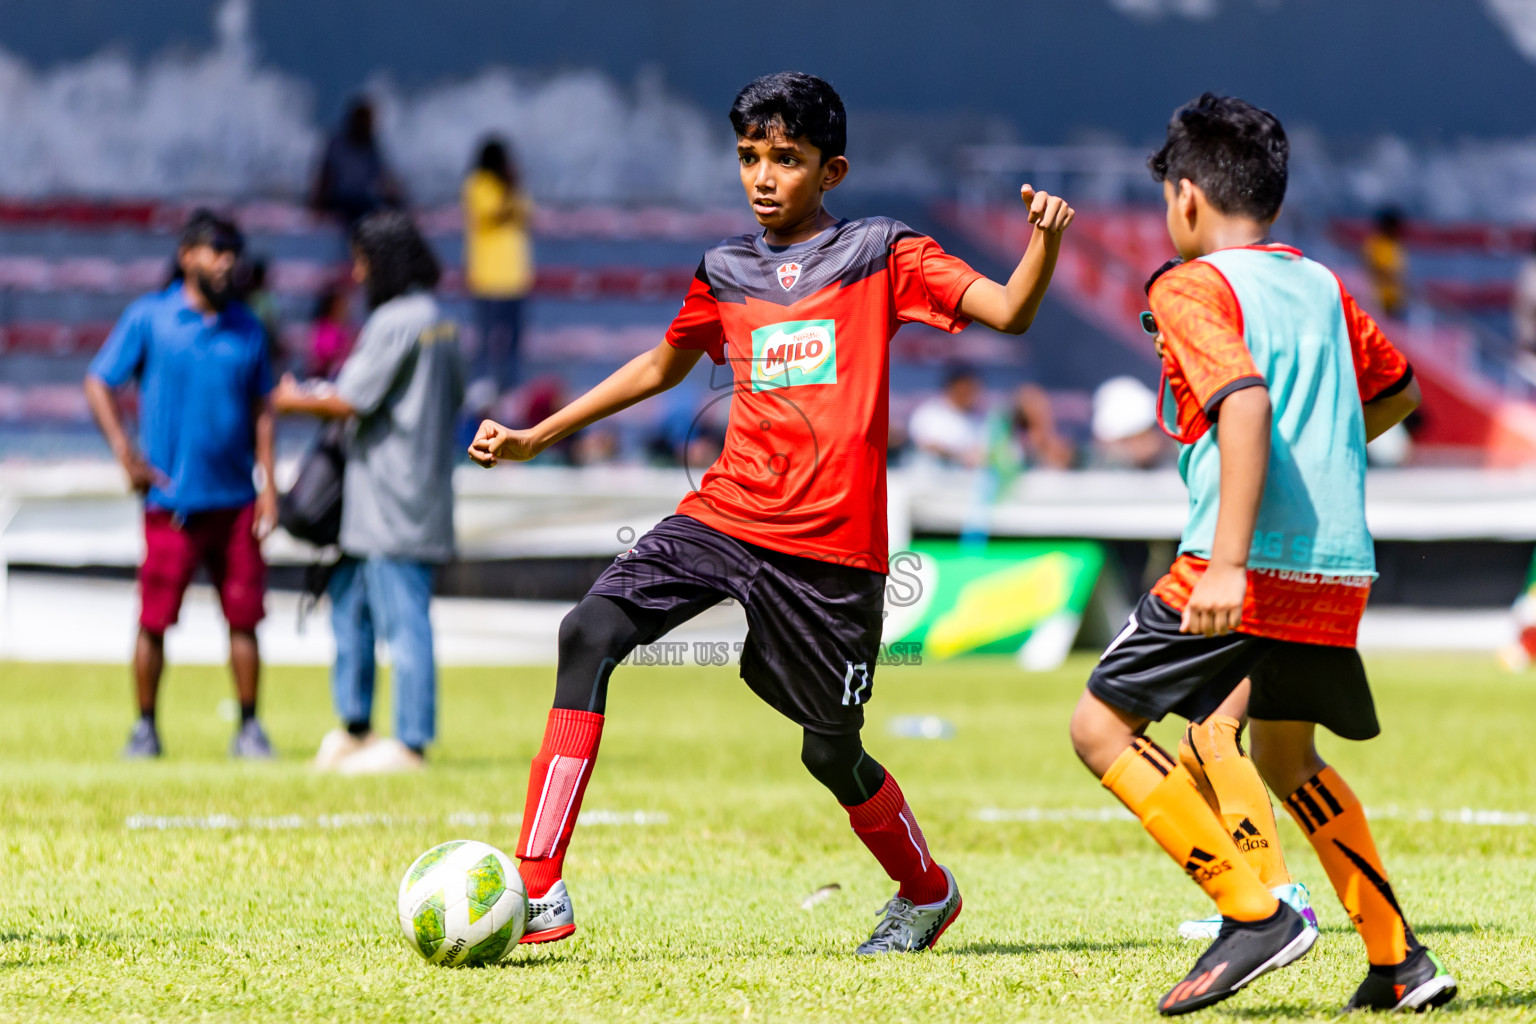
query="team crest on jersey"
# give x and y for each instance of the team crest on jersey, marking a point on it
(794, 352)
(788, 273)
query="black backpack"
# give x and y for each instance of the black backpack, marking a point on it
(311, 510)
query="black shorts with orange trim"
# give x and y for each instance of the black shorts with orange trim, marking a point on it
(1152, 670)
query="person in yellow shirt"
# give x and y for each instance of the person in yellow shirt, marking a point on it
(1386, 260)
(498, 265)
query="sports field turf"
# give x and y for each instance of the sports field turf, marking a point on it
(199, 889)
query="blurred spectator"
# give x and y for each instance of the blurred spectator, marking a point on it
(950, 428)
(353, 180)
(498, 267)
(201, 363)
(330, 336)
(263, 304)
(595, 446)
(1125, 430)
(1525, 303)
(954, 427)
(1386, 260)
(403, 385)
(685, 436)
(1035, 424)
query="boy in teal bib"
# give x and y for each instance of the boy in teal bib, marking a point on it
(1277, 381)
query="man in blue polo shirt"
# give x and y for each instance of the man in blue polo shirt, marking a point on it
(200, 360)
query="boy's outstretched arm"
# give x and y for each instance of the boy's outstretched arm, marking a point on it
(1011, 308)
(1382, 414)
(647, 374)
(1215, 605)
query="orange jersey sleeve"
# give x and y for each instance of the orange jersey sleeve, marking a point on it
(927, 283)
(1205, 358)
(1380, 369)
(697, 325)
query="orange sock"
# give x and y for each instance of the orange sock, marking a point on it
(1327, 810)
(1161, 793)
(1230, 783)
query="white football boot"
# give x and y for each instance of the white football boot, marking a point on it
(906, 927)
(550, 917)
(1294, 894)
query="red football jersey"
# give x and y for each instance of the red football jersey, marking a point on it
(806, 332)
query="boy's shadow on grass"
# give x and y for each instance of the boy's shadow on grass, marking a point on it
(1456, 928)
(1508, 1000)
(531, 962)
(1024, 948)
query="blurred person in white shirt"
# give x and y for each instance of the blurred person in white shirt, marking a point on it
(1125, 430)
(950, 428)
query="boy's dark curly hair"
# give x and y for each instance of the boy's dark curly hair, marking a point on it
(1235, 152)
(808, 107)
(399, 258)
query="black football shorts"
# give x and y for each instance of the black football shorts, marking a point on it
(813, 627)
(1151, 670)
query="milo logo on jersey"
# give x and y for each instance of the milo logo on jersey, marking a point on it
(795, 352)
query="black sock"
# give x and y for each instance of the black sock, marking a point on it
(359, 729)
(418, 751)
(147, 716)
(247, 712)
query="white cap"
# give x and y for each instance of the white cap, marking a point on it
(1123, 407)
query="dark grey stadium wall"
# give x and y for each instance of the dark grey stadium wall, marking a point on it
(1424, 69)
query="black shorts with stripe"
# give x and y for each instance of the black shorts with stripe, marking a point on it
(1152, 670)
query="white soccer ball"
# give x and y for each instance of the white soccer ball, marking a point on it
(462, 904)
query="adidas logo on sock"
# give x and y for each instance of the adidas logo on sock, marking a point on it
(1247, 837)
(1203, 866)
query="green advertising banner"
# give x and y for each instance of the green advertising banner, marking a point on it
(1023, 597)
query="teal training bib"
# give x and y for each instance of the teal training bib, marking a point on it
(1313, 514)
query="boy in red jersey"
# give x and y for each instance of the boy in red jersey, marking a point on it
(790, 521)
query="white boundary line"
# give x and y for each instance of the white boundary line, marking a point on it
(294, 822)
(995, 815)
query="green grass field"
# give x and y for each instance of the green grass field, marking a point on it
(283, 908)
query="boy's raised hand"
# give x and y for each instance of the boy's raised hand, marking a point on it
(1049, 213)
(494, 442)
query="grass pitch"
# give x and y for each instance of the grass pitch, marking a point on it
(195, 888)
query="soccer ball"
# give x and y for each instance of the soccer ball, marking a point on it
(463, 904)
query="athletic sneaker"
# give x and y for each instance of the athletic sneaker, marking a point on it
(1293, 893)
(906, 927)
(550, 917)
(1243, 951)
(143, 742)
(336, 746)
(1416, 984)
(251, 743)
(384, 757)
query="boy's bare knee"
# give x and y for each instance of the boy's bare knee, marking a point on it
(1101, 733)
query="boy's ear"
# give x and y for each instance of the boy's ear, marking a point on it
(1188, 197)
(833, 172)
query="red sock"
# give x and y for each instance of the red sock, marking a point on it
(890, 830)
(555, 787)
